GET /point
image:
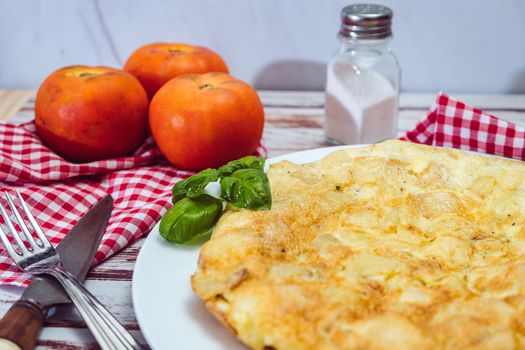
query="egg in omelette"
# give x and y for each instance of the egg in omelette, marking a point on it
(389, 246)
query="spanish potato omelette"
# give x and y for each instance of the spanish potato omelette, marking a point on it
(389, 246)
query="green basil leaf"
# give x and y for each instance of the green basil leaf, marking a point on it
(190, 217)
(249, 162)
(247, 188)
(193, 186)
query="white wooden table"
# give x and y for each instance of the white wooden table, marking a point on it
(293, 123)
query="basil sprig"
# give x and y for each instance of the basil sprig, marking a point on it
(190, 217)
(247, 188)
(193, 186)
(244, 185)
(249, 162)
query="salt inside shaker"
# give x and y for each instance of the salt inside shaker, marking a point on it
(363, 77)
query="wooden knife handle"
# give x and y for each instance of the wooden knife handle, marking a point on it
(20, 326)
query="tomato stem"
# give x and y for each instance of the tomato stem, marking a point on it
(86, 74)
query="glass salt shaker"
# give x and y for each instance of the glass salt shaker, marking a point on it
(363, 78)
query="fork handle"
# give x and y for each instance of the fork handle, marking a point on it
(109, 333)
(20, 326)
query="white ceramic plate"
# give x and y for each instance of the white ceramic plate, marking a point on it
(170, 315)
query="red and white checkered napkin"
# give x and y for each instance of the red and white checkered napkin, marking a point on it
(451, 123)
(60, 192)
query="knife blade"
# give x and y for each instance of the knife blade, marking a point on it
(23, 321)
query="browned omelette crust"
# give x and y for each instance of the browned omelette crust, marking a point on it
(392, 246)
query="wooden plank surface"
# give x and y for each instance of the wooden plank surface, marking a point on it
(315, 99)
(11, 101)
(293, 123)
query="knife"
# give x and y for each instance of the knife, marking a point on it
(21, 324)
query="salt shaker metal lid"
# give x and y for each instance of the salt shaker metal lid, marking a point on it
(366, 21)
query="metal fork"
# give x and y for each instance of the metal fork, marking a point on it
(41, 258)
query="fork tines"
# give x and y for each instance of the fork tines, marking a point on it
(34, 246)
